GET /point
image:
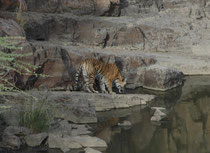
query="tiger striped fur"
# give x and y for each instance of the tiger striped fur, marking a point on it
(104, 72)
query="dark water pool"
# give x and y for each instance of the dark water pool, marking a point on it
(186, 129)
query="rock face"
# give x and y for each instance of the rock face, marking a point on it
(91, 31)
(61, 38)
(65, 61)
(79, 7)
(59, 61)
(10, 28)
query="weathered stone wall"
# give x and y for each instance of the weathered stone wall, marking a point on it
(59, 64)
(58, 61)
(154, 25)
(162, 32)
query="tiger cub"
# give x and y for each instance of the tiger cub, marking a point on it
(104, 72)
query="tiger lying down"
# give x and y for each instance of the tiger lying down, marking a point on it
(105, 73)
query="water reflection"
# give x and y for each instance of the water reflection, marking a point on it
(187, 129)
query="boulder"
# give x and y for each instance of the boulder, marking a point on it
(12, 136)
(161, 78)
(11, 141)
(132, 67)
(34, 140)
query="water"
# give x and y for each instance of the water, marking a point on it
(186, 129)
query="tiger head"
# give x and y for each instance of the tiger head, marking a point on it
(120, 84)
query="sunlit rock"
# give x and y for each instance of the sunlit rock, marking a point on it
(66, 143)
(88, 141)
(91, 150)
(158, 114)
(125, 124)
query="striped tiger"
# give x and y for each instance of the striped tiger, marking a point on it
(107, 74)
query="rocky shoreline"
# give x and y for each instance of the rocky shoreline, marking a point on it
(68, 108)
(154, 43)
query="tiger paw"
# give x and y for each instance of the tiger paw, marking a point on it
(95, 91)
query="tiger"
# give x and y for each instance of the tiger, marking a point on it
(105, 73)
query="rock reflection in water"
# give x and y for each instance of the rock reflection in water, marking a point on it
(187, 129)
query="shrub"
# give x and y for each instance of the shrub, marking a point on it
(10, 62)
(37, 115)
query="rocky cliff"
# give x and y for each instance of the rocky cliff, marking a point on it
(144, 38)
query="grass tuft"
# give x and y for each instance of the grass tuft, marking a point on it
(37, 116)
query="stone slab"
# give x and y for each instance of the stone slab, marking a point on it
(103, 102)
(77, 107)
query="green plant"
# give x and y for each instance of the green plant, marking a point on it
(37, 115)
(10, 62)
